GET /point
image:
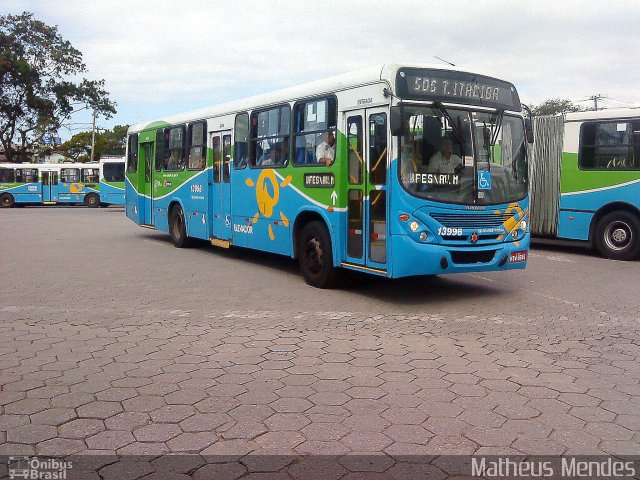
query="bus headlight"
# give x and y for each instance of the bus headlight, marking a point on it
(414, 226)
(424, 236)
(523, 225)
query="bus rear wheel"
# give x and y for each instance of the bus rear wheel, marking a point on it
(315, 256)
(618, 236)
(6, 200)
(92, 200)
(178, 228)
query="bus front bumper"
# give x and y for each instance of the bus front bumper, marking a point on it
(412, 258)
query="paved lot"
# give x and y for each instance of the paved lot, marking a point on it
(114, 341)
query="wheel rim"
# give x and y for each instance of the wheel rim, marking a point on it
(618, 235)
(6, 202)
(313, 259)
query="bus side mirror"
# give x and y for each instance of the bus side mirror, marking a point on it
(528, 129)
(395, 121)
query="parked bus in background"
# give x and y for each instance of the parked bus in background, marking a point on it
(111, 180)
(49, 184)
(396, 170)
(585, 180)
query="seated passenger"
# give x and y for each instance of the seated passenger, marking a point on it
(269, 159)
(326, 151)
(445, 161)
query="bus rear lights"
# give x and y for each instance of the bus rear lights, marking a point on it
(403, 217)
(414, 226)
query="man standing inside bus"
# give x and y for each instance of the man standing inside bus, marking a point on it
(445, 161)
(326, 151)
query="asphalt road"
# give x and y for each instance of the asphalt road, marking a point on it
(114, 341)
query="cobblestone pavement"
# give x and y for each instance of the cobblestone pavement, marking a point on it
(113, 341)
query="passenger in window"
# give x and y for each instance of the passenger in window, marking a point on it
(283, 149)
(270, 158)
(326, 150)
(445, 161)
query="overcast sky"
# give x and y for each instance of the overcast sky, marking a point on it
(162, 57)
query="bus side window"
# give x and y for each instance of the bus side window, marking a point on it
(314, 132)
(132, 158)
(241, 139)
(6, 175)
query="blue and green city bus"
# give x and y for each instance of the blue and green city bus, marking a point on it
(91, 184)
(396, 170)
(586, 180)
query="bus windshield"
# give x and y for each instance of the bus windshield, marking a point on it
(461, 156)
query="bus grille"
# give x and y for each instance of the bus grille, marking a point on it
(473, 256)
(482, 220)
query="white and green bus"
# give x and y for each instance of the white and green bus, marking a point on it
(585, 180)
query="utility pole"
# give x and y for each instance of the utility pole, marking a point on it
(93, 136)
(595, 99)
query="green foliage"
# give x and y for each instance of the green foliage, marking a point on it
(108, 142)
(554, 106)
(37, 87)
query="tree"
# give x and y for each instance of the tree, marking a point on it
(554, 106)
(108, 142)
(38, 92)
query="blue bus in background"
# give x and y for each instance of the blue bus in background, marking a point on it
(90, 184)
(396, 170)
(111, 180)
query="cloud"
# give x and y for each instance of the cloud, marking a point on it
(161, 57)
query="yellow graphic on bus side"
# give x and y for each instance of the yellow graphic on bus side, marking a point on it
(267, 197)
(75, 187)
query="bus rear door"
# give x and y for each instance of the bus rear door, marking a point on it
(145, 186)
(367, 189)
(49, 186)
(220, 198)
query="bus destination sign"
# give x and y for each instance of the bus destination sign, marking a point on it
(457, 87)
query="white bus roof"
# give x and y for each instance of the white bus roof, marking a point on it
(602, 114)
(380, 73)
(49, 165)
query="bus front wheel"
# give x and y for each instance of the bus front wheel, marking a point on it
(315, 256)
(92, 200)
(6, 200)
(178, 228)
(618, 236)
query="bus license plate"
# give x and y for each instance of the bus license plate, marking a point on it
(517, 257)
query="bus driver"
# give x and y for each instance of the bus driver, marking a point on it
(445, 161)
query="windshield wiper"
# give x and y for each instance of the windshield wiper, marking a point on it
(457, 130)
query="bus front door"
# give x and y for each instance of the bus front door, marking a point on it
(220, 198)
(367, 189)
(145, 179)
(49, 186)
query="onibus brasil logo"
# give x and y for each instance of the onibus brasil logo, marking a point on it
(267, 197)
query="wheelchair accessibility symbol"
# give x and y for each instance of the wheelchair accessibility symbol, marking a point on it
(484, 180)
(227, 220)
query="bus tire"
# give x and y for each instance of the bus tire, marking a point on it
(7, 200)
(178, 228)
(315, 256)
(617, 236)
(92, 200)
